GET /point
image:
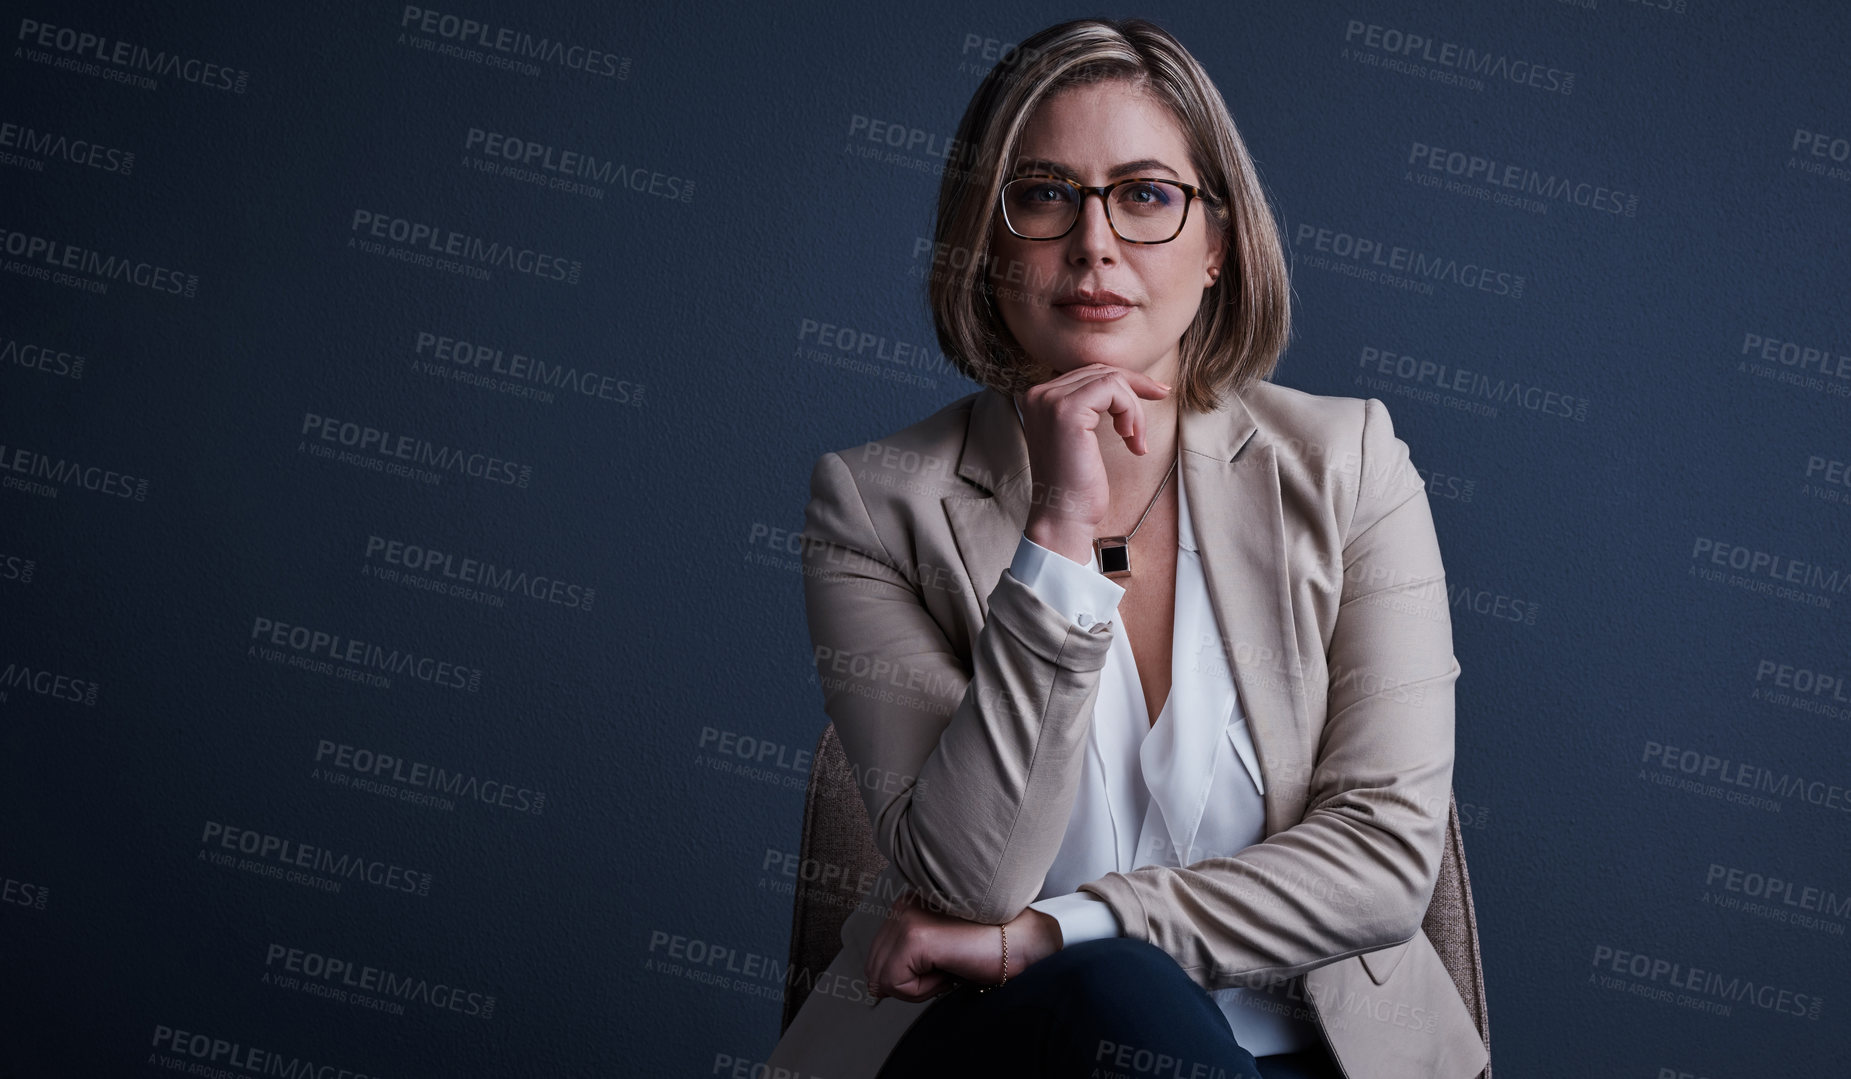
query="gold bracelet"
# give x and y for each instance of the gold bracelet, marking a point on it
(1005, 981)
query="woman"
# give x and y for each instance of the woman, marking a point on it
(1143, 664)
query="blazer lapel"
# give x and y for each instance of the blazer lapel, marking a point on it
(1232, 481)
(988, 526)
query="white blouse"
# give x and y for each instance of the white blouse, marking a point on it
(1173, 793)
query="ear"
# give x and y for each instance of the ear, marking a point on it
(1217, 252)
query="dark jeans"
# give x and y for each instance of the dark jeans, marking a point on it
(1116, 1007)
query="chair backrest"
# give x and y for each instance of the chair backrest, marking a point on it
(838, 847)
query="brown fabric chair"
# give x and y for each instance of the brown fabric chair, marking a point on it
(839, 842)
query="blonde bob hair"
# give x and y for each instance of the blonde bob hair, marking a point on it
(1245, 317)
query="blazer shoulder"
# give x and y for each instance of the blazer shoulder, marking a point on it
(1312, 425)
(1344, 448)
(941, 433)
(881, 476)
(1291, 415)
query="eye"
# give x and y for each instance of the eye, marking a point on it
(1030, 195)
(1146, 193)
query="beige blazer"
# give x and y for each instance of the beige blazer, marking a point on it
(962, 701)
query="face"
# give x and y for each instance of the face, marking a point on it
(1096, 134)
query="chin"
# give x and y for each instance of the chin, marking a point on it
(1114, 356)
(1132, 348)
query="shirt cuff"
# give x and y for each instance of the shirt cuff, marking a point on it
(1082, 916)
(1078, 591)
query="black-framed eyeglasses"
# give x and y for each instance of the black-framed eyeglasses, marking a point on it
(1139, 209)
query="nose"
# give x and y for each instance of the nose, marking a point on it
(1092, 238)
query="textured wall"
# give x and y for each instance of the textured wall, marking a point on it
(402, 656)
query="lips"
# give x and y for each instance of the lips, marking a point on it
(1087, 298)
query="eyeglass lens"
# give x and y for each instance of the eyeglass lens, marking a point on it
(1146, 210)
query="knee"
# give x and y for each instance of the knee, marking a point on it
(1121, 990)
(1109, 966)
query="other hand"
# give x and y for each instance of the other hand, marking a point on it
(919, 953)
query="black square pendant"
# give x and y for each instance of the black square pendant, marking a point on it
(1114, 555)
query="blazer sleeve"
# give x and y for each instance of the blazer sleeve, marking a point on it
(1357, 872)
(969, 769)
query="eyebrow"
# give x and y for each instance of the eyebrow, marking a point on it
(1128, 168)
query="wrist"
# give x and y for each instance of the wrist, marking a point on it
(1069, 539)
(1033, 936)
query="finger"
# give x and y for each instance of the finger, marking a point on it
(1143, 385)
(1128, 417)
(1078, 374)
(887, 942)
(1146, 386)
(1053, 390)
(1112, 396)
(1107, 390)
(1092, 393)
(875, 968)
(916, 976)
(922, 988)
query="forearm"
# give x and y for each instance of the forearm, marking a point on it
(1086, 598)
(1356, 874)
(980, 828)
(968, 768)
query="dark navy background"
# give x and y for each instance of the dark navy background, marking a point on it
(668, 723)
